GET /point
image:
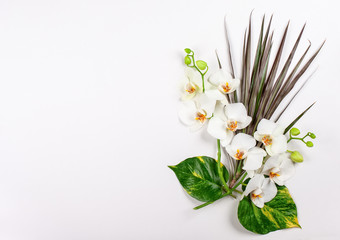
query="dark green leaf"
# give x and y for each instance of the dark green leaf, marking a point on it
(199, 177)
(279, 213)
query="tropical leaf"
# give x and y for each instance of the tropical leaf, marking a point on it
(199, 177)
(279, 213)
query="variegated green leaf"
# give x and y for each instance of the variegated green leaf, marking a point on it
(279, 213)
(199, 177)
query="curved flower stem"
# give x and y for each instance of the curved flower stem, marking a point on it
(202, 74)
(219, 169)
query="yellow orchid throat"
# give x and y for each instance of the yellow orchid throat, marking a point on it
(254, 196)
(239, 154)
(232, 125)
(267, 140)
(201, 117)
(272, 174)
(226, 88)
(190, 88)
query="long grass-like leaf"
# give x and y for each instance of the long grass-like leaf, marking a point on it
(297, 119)
(290, 101)
(270, 80)
(283, 74)
(247, 65)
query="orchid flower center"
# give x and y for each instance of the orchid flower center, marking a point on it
(189, 88)
(239, 154)
(274, 172)
(201, 117)
(225, 87)
(267, 140)
(232, 125)
(254, 196)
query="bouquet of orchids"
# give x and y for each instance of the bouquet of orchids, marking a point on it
(239, 114)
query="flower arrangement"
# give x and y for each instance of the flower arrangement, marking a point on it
(239, 114)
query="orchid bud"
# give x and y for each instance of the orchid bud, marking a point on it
(201, 64)
(187, 60)
(294, 131)
(296, 157)
(187, 50)
(312, 135)
(309, 144)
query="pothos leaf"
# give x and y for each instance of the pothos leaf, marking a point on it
(279, 213)
(199, 177)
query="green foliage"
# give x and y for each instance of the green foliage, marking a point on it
(279, 213)
(199, 177)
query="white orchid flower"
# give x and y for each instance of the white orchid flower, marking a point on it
(261, 190)
(195, 113)
(240, 146)
(279, 168)
(254, 160)
(271, 135)
(191, 85)
(234, 118)
(223, 83)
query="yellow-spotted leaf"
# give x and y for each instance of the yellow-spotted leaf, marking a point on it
(199, 177)
(279, 213)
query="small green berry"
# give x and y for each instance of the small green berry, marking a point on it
(296, 157)
(309, 144)
(187, 60)
(312, 135)
(294, 131)
(187, 50)
(201, 64)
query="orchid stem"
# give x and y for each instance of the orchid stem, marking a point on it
(219, 169)
(240, 182)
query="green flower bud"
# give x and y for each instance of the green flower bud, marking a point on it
(187, 60)
(201, 64)
(309, 144)
(294, 131)
(312, 135)
(296, 157)
(187, 50)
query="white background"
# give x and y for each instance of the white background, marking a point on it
(88, 118)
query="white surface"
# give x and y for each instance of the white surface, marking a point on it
(88, 118)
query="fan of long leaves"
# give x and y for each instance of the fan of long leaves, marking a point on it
(263, 87)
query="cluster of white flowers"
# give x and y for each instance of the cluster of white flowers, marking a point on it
(223, 119)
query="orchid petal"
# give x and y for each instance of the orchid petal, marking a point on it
(243, 141)
(217, 128)
(245, 123)
(254, 159)
(219, 77)
(266, 127)
(279, 145)
(269, 189)
(205, 103)
(215, 94)
(254, 183)
(187, 113)
(236, 112)
(227, 140)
